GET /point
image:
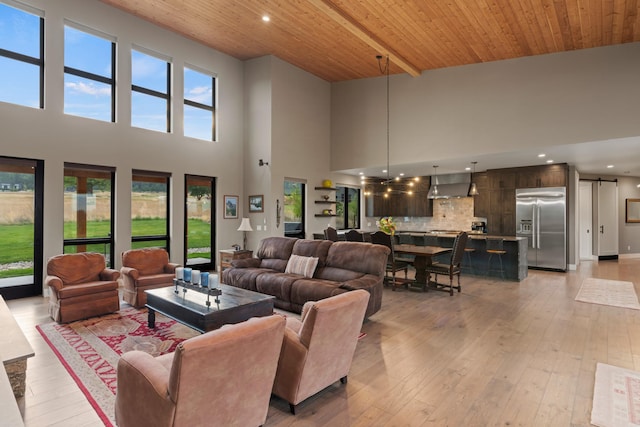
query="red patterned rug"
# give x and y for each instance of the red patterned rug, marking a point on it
(90, 350)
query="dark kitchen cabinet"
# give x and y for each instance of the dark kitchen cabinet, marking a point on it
(543, 176)
(502, 218)
(481, 202)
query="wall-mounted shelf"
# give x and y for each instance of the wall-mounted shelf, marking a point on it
(325, 202)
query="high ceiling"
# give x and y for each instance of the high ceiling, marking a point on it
(338, 40)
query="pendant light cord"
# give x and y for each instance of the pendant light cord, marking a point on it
(385, 70)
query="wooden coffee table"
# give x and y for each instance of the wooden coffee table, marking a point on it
(189, 308)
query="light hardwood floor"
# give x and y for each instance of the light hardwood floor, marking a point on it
(499, 353)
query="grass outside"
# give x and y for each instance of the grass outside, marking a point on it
(13, 248)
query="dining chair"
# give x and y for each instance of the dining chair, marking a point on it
(394, 264)
(453, 267)
(331, 233)
(354, 236)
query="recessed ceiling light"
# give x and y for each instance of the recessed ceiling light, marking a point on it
(397, 178)
(266, 18)
(542, 155)
(467, 168)
(609, 166)
(361, 173)
(384, 171)
(401, 173)
(549, 161)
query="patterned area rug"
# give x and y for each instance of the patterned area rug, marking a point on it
(616, 397)
(90, 350)
(608, 292)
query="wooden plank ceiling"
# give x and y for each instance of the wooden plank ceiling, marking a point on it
(338, 40)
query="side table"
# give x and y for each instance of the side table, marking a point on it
(228, 255)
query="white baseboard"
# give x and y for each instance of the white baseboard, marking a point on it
(628, 256)
(572, 267)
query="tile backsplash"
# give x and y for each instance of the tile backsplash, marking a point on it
(448, 214)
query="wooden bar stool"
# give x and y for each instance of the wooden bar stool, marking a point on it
(495, 246)
(467, 256)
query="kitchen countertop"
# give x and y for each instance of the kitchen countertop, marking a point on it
(472, 235)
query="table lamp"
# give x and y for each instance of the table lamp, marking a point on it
(245, 226)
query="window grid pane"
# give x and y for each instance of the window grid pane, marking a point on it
(150, 95)
(88, 79)
(86, 52)
(19, 83)
(21, 66)
(87, 98)
(148, 112)
(19, 31)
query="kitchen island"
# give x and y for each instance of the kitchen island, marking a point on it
(514, 261)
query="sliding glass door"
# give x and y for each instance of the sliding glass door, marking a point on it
(21, 197)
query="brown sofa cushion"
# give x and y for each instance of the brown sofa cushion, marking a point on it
(274, 252)
(76, 268)
(312, 248)
(355, 256)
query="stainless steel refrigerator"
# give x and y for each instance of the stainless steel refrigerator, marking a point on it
(542, 218)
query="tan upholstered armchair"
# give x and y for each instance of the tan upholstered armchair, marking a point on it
(221, 378)
(318, 349)
(81, 286)
(144, 269)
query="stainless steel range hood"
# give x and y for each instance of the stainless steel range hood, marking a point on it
(451, 185)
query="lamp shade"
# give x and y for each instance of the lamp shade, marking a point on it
(245, 225)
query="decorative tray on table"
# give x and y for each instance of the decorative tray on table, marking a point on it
(179, 284)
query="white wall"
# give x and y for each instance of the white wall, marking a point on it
(287, 124)
(572, 97)
(57, 138)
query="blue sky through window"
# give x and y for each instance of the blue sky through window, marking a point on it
(86, 97)
(198, 87)
(19, 33)
(20, 81)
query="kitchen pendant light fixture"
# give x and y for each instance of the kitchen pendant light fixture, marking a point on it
(434, 187)
(473, 191)
(384, 69)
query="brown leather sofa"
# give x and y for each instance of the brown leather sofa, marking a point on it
(220, 378)
(144, 269)
(342, 267)
(81, 286)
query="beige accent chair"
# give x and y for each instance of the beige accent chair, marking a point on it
(221, 378)
(81, 286)
(318, 349)
(144, 269)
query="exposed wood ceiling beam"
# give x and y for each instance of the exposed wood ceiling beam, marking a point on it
(354, 27)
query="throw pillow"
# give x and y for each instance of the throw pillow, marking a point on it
(302, 265)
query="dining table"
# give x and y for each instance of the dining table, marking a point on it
(423, 259)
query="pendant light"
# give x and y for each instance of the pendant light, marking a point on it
(473, 191)
(435, 181)
(384, 69)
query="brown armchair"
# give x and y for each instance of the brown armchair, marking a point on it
(81, 286)
(221, 378)
(318, 349)
(144, 269)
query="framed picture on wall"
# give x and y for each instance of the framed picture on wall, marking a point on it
(230, 207)
(256, 203)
